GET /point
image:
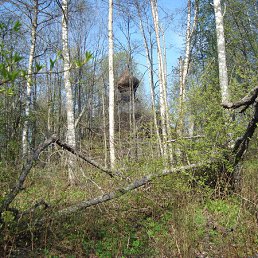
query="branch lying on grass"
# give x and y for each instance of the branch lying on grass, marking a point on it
(242, 143)
(123, 190)
(90, 161)
(30, 162)
(24, 173)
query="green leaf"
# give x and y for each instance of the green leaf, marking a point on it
(88, 56)
(52, 64)
(23, 73)
(17, 26)
(59, 54)
(4, 73)
(79, 63)
(10, 92)
(17, 58)
(13, 75)
(38, 67)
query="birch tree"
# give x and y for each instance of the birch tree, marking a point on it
(185, 63)
(68, 90)
(25, 140)
(223, 74)
(149, 59)
(111, 86)
(162, 79)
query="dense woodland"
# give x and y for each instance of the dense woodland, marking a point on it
(110, 150)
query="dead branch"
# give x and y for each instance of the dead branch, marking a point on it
(87, 159)
(24, 173)
(123, 190)
(242, 143)
(248, 100)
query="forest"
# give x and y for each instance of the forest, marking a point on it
(128, 128)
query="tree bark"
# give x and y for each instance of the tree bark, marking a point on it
(162, 84)
(111, 86)
(68, 90)
(148, 51)
(25, 140)
(223, 74)
(241, 144)
(123, 190)
(185, 63)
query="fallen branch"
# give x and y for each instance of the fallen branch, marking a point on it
(24, 173)
(246, 101)
(123, 190)
(87, 159)
(242, 143)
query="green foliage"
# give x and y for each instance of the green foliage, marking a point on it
(7, 217)
(225, 211)
(52, 63)
(80, 63)
(10, 59)
(17, 26)
(38, 67)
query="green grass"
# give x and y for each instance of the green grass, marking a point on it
(170, 217)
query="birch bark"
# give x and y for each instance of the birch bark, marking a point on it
(185, 63)
(223, 74)
(111, 86)
(162, 84)
(148, 51)
(70, 134)
(25, 140)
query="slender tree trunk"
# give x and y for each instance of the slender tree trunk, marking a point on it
(223, 74)
(184, 64)
(111, 86)
(168, 127)
(25, 140)
(148, 51)
(162, 84)
(104, 123)
(181, 98)
(70, 134)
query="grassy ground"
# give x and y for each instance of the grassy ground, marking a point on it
(171, 217)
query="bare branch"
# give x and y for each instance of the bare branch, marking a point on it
(24, 173)
(123, 190)
(87, 159)
(242, 143)
(246, 101)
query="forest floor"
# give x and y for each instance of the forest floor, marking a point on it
(174, 216)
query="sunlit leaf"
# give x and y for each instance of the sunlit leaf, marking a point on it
(17, 26)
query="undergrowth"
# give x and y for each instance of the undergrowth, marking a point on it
(169, 217)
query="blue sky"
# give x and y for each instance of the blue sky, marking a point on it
(174, 36)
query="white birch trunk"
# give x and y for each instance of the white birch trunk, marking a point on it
(70, 134)
(151, 80)
(223, 74)
(187, 47)
(25, 140)
(184, 64)
(181, 98)
(104, 125)
(111, 86)
(162, 88)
